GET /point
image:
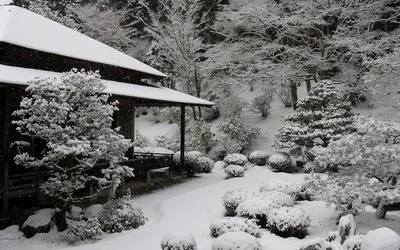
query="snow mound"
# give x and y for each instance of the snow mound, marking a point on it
(236, 241)
(346, 227)
(258, 157)
(256, 208)
(231, 200)
(282, 199)
(234, 224)
(289, 222)
(284, 186)
(189, 156)
(178, 241)
(381, 239)
(232, 171)
(235, 159)
(353, 242)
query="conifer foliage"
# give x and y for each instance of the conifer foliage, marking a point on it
(321, 116)
(72, 116)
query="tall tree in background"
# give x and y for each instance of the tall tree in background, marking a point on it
(205, 17)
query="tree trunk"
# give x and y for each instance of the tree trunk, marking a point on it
(293, 88)
(194, 113)
(308, 84)
(60, 218)
(381, 211)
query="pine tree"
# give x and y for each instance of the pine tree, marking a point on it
(321, 116)
(72, 116)
(205, 17)
(137, 17)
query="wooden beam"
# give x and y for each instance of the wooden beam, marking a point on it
(133, 125)
(7, 128)
(183, 125)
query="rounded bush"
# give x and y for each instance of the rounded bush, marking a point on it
(189, 156)
(120, 215)
(234, 224)
(282, 199)
(231, 200)
(281, 162)
(236, 241)
(206, 164)
(233, 171)
(289, 222)
(178, 241)
(353, 242)
(256, 208)
(235, 159)
(90, 229)
(298, 191)
(258, 158)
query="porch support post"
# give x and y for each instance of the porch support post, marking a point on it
(7, 116)
(133, 126)
(183, 125)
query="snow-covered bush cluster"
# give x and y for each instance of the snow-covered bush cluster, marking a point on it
(258, 158)
(233, 171)
(164, 142)
(90, 229)
(281, 161)
(199, 136)
(280, 198)
(120, 215)
(140, 140)
(234, 224)
(236, 159)
(195, 162)
(236, 241)
(231, 200)
(206, 164)
(289, 222)
(298, 191)
(262, 102)
(256, 208)
(178, 241)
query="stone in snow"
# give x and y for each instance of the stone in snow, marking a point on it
(93, 211)
(39, 222)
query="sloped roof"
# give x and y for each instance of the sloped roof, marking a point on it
(22, 76)
(24, 28)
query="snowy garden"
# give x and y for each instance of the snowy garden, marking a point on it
(296, 146)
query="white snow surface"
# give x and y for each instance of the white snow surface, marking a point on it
(236, 241)
(22, 76)
(40, 218)
(381, 239)
(27, 29)
(93, 211)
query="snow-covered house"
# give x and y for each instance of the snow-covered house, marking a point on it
(34, 46)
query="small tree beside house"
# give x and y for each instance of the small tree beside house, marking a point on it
(72, 115)
(321, 116)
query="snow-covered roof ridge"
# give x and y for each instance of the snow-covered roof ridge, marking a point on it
(22, 76)
(24, 28)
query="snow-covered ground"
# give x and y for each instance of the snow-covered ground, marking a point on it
(191, 207)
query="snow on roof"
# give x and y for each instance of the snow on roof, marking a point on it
(22, 76)
(24, 28)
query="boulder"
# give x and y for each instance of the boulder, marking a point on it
(93, 211)
(39, 222)
(346, 227)
(381, 239)
(75, 213)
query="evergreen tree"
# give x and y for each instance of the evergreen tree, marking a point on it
(137, 17)
(205, 17)
(321, 116)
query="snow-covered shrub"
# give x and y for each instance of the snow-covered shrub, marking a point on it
(87, 230)
(298, 191)
(234, 224)
(236, 241)
(347, 227)
(289, 222)
(258, 158)
(256, 208)
(206, 164)
(140, 140)
(321, 116)
(231, 200)
(353, 242)
(284, 93)
(164, 142)
(262, 102)
(235, 159)
(189, 156)
(178, 241)
(281, 161)
(282, 199)
(233, 171)
(381, 239)
(120, 215)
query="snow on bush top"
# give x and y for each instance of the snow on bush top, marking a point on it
(282, 199)
(258, 157)
(353, 242)
(279, 158)
(236, 241)
(235, 159)
(234, 196)
(234, 171)
(319, 243)
(283, 186)
(381, 239)
(286, 218)
(256, 206)
(189, 156)
(178, 241)
(207, 164)
(234, 224)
